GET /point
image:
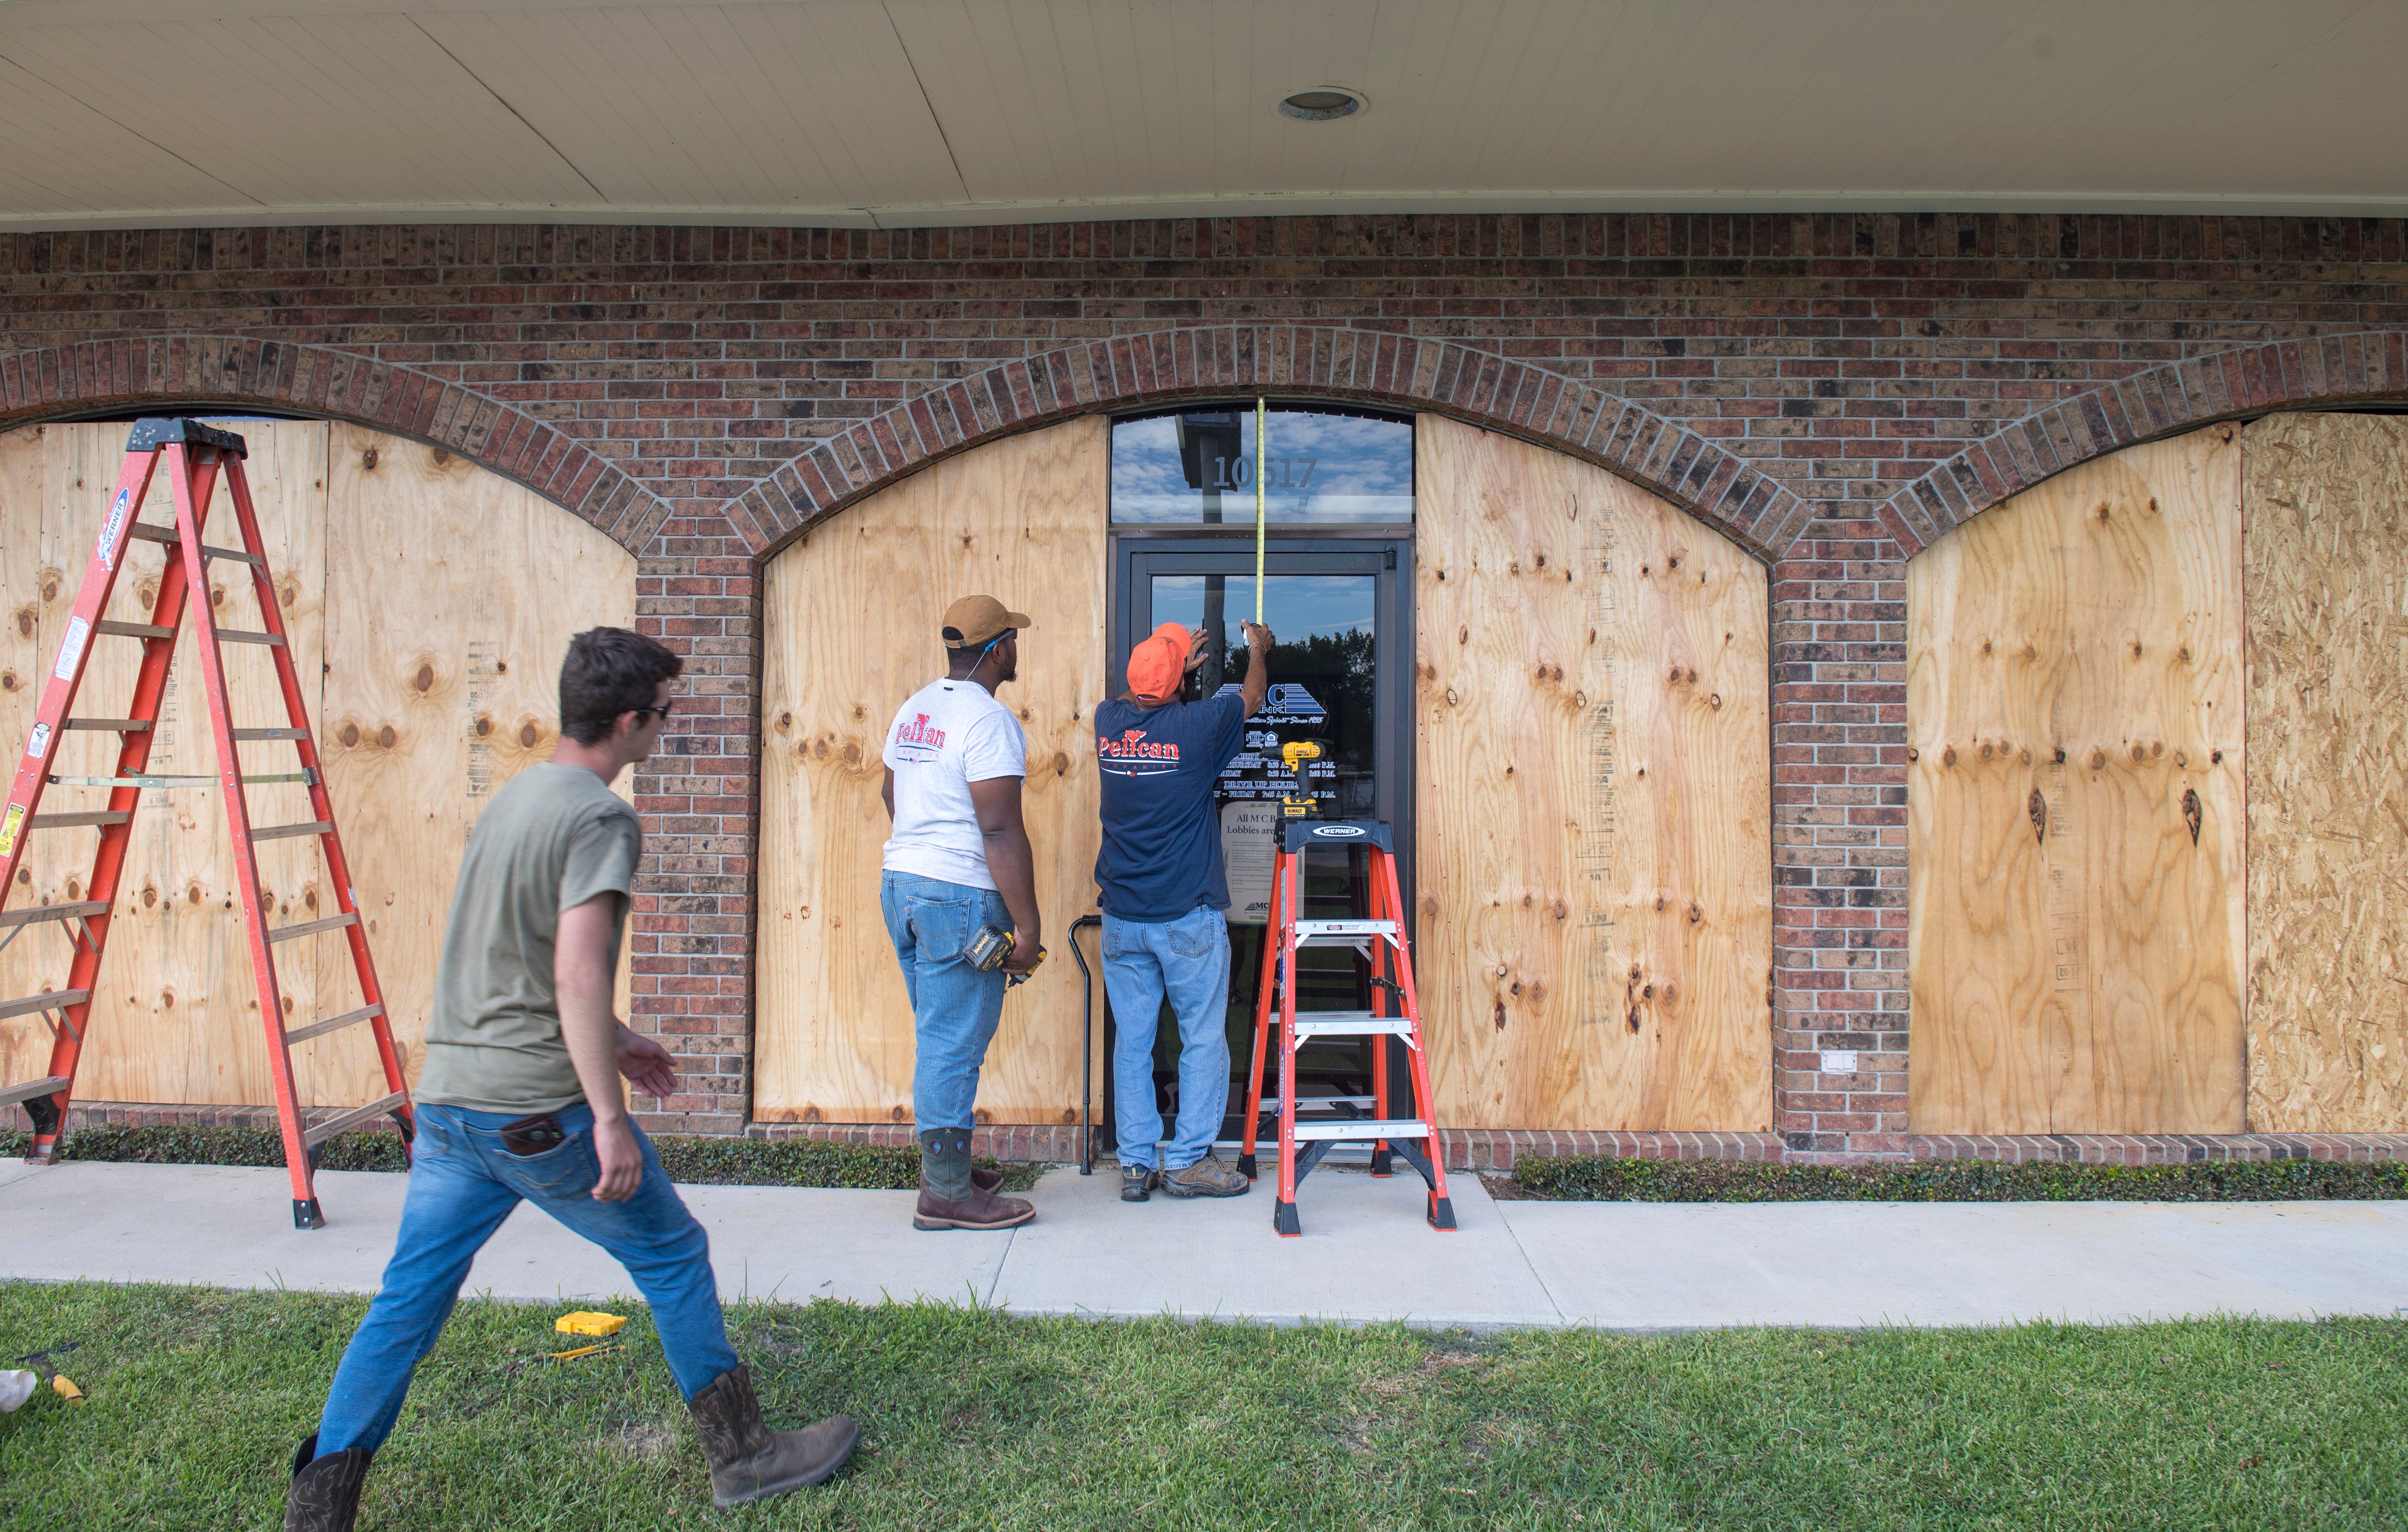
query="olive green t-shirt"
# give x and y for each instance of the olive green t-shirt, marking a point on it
(553, 838)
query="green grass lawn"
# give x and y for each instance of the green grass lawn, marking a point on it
(976, 1420)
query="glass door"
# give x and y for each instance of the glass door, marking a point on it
(1340, 674)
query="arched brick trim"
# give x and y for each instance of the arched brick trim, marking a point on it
(315, 380)
(2176, 397)
(1367, 365)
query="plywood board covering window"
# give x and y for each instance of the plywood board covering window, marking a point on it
(853, 611)
(1595, 878)
(428, 604)
(2325, 502)
(2075, 777)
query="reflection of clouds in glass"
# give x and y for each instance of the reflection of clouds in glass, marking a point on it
(1296, 606)
(1322, 466)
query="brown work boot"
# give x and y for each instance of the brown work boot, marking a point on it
(748, 1460)
(324, 1493)
(949, 1195)
(1210, 1176)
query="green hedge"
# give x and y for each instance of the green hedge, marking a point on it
(1598, 1179)
(693, 1159)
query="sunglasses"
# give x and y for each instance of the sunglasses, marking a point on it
(643, 713)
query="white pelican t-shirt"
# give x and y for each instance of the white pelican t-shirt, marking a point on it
(948, 735)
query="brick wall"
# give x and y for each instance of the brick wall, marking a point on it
(1834, 391)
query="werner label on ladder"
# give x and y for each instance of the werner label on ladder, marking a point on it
(196, 456)
(1305, 1131)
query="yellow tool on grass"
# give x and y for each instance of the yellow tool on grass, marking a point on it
(587, 1322)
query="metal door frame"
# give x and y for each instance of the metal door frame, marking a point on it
(1137, 555)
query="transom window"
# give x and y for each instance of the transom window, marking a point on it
(1195, 467)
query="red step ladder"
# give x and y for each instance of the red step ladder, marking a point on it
(195, 455)
(1396, 1013)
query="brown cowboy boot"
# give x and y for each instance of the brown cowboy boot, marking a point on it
(748, 1460)
(324, 1491)
(949, 1195)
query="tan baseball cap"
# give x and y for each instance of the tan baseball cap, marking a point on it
(974, 620)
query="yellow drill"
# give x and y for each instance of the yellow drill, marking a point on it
(1298, 802)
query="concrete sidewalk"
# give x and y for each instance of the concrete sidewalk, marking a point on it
(1366, 1253)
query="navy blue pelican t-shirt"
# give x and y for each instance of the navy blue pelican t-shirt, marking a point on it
(1162, 840)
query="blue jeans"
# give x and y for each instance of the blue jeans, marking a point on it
(955, 1008)
(462, 1184)
(1188, 960)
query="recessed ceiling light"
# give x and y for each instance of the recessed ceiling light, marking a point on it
(1325, 105)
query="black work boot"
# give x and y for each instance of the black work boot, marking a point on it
(950, 1197)
(1137, 1182)
(324, 1493)
(748, 1460)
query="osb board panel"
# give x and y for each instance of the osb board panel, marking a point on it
(451, 595)
(2325, 504)
(851, 631)
(176, 1017)
(1595, 778)
(2075, 790)
(177, 1020)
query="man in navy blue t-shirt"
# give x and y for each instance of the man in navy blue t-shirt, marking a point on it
(1163, 891)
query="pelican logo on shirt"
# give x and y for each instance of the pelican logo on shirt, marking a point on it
(1134, 754)
(916, 740)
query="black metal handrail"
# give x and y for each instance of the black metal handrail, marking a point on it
(1086, 1048)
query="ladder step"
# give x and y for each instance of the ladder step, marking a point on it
(27, 1091)
(332, 1023)
(236, 553)
(151, 531)
(1312, 932)
(352, 1119)
(132, 629)
(1345, 1129)
(53, 912)
(119, 726)
(280, 832)
(55, 1000)
(78, 821)
(271, 734)
(1352, 1024)
(228, 635)
(311, 928)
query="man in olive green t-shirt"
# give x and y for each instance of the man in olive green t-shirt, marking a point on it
(494, 1043)
(519, 1101)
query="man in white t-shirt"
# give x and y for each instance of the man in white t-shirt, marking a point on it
(959, 860)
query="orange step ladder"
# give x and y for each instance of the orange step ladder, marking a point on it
(194, 455)
(1396, 1013)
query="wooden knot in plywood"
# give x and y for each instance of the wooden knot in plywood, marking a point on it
(1500, 970)
(786, 722)
(385, 736)
(528, 734)
(424, 679)
(1450, 697)
(2140, 752)
(2192, 814)
(2060, 755)
(1500, 1016)
(484, 725)
(1463, 635)
(1948, 756)
(1914, 754)
(2036, 807)
(1541, 560)
(1061, 764)
(2097, 760)
(1558, 909)
(1716, 702)
(2215, 758)
(369, 459)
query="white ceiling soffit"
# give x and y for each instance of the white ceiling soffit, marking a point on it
(902, 112)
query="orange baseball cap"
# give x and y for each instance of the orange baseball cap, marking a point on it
(1156, 665)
